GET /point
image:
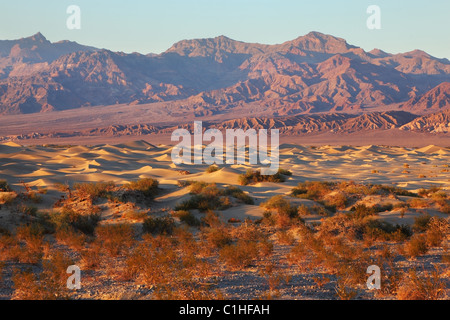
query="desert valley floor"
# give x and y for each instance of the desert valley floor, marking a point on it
(311, 234)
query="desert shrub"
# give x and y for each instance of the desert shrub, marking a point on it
(71, 237)
(50, 284)
(212, 168)
(418, 203)
(148, 186)
(7, 198)
(361, 211)
(336, 201)
(42, 190)
(384, 230)
(428, 192)
(94, 190)
(4, 186)
(320, 210)
(173, 273)
(314, 190)
(237, 193)
(197, 187)
(187, 217)
(27, 287)
(62, 187)
(439, 196)
(344, 291)
(437, 231)
(281, 205)
(239, 255)
(69, 218)
(135, 214)
(416, 246)
(286, 213)
(91, 257)
(255, 176)
(445, 208)
(286, 238)
(284, 172)
(350, 187)
(33, 238)
(274, 278)
(303, 210)
(205, 197)
(158, 225)
(248, 231)
(55, 267)
(27, 210)
(421, 223)
(383, 207)
(216, 237)
(204, 203)
(115, 238)
(34, 197)
(386, 190)
(184, 183)
(427, 287)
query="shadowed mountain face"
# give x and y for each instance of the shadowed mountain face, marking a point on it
(313, 73)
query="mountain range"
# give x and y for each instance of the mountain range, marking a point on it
(313, 73)
(315, 76)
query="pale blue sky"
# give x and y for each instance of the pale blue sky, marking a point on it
(153, 26)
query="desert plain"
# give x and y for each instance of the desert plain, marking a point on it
(140, 227)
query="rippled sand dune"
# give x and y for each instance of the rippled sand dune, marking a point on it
(405, 167)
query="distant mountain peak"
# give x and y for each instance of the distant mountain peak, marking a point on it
(379, 53)
(38, 37)
(319, 42)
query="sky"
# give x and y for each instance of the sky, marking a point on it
(148, 26)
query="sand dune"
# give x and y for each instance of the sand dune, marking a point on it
(406, 167)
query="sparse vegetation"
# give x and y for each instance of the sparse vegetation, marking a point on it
(255, 176)
(4, 186)
(209, 197)
(212, 168)
(94, 190)
(148, 186)
(330, 238)
(158, 225)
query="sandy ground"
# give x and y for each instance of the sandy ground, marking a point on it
(408, 168)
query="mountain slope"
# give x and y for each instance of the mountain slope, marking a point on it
(310, 74)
